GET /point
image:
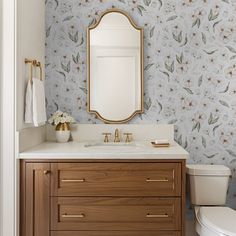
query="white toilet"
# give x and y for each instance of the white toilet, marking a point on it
(208, 190)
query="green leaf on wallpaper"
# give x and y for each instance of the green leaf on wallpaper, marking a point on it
(76, 58)
(179, 140)
(92, 22)
(200, 81)
(170, 67)
(66, 68)
(165, 73)
(212, 120)
(210, 156)
(81, 42)
(160, 106)
(210, 52)
(223, 103)
(233, 57)
(231, 153)
(212, 16)
(216, 23)
(141, 9)
(233, 161)
(83, 89)
(185, 41)
(215, 128)
(57, 4)
(62, 73)
(147, 2)
(152, 31)
(203, 142)
(197, 126)
(160, 2)
(188, 90)
(226, 89)
(203, 38)
(74, 37)
(226, 1)
(148, 66)
(68, 18)
(147, 104)
(178, 37)
(48, 31)
(185, 145)
(171, 122)
(231, 49)
(197, 22)
(171, 18)
(180, 58)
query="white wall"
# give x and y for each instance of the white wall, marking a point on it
(30, 44)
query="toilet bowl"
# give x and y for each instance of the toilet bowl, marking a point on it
(215, 221)
(208, 190)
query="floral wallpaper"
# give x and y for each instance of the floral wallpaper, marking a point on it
(190, 69)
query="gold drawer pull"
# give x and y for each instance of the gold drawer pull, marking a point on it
(73, 216)
(72, 180)
(157, 216)
(157, 180)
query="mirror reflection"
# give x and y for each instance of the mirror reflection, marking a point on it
(115, 68)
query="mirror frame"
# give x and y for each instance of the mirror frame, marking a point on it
(141, 67)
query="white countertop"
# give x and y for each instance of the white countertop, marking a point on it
(76, 150)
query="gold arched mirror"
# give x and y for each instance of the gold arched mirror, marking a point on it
(115, 67)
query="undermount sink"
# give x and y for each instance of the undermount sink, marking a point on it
(112, 145)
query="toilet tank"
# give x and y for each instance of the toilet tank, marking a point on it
(208, 184)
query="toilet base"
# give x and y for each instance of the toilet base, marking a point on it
(201, 229)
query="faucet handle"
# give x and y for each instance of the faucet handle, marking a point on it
(128, 137)
(106, 138)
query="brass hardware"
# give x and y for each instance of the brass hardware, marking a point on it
(106, 138)
(72, 180)
(141, 110)
(128, 137)
(73, 216)
(34, 63)
(117, 136)
(157, 180)
(46, 172)
(157, 216)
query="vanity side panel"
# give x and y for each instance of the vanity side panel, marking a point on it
(37, 199)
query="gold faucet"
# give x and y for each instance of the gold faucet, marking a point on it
(117, 136)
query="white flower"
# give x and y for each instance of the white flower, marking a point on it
(60, 117)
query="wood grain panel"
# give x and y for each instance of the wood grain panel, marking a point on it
(37, 200)
(116, 179)
(98, 213)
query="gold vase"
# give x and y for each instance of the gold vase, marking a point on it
(63, 127)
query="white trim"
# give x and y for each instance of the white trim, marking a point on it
(1, 59)
(9, 216)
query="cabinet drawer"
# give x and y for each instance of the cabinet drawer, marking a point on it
(116, 179)
(96, 213)
(115, 233)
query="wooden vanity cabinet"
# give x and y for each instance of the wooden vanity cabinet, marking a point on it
(103, 198)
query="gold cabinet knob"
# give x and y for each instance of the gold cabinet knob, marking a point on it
(46, 172)
(106, 138)
(128, 137)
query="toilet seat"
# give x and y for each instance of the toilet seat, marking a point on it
(221, 220)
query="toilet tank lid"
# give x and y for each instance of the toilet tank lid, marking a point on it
(213, 170)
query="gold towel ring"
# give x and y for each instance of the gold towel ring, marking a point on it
(34, 63)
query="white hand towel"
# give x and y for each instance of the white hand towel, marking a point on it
(39, 105)
(29, 104)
